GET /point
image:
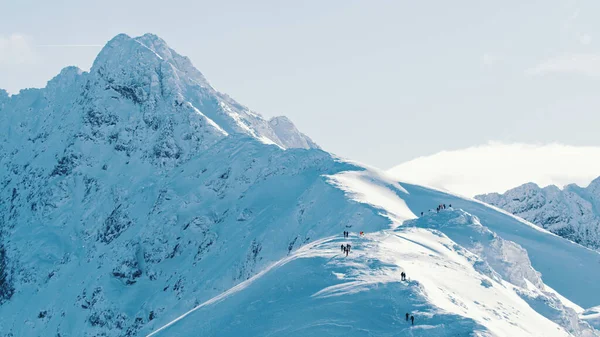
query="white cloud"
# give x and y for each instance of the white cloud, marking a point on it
(497, 167)
(587, 64)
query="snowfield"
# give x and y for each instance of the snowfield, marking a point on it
(136, 200)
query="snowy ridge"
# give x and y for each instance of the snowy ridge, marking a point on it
(452, 291)
(571, 212)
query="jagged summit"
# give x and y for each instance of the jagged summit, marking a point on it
(126, 54)
(183, 63)
(157, 81)
(153, 71)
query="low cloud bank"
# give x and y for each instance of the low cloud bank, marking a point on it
(497, 167)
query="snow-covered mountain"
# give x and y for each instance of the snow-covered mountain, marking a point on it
(571, 212)
(138, 201)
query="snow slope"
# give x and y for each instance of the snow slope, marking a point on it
(564, 265)
(571, 212)
(317, 291)
(135, 193)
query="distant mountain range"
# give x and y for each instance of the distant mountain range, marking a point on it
(573, 212)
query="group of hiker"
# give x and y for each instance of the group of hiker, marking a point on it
(439, 208)
(346, 248)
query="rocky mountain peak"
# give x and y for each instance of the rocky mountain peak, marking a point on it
(146, 71)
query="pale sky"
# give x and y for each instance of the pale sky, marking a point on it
(380, 82)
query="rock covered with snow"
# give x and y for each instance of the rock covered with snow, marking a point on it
(571, 212)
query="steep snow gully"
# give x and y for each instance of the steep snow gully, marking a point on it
(137, 200)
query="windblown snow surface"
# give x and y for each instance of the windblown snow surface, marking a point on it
(138, 201)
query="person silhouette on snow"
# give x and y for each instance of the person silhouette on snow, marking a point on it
(407, 314)
(412, 320)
